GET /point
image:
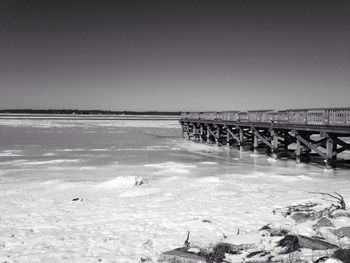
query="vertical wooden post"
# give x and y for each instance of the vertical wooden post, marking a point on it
(208, 134)
(218, 134)
(256, 143)
(334, 159)
(188, 131)
(298, 151)
(241, 139)
(194, 132)
(227, 136)
(201, 133)
(274, 143)
(197, 133)
(286, 141)
(329, 153)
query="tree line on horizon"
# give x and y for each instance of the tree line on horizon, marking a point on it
(88, 112)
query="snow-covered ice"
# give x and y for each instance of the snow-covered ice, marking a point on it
(68, 190)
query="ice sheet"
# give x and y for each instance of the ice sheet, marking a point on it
(70, 194)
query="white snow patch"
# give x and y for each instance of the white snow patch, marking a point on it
(120, 181)
(58, 161)
(48, 154)
(171, 167)
(209, 163)
(333, 260)
(209, 180)
(140, 192)
(6, 153)
(269, 159)
(198, 147)
(304, 177)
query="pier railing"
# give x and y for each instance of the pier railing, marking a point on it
(318, 117)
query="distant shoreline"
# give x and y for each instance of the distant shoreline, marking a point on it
(75, 112)
(39, 116)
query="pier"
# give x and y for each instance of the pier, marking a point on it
(302, 134)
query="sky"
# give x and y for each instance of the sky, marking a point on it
(180, 55)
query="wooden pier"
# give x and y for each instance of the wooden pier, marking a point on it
(300, 134)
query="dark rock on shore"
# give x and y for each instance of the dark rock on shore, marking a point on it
(293, 243)
(182, 254)
(341, 213)
(342, 232)
(343, 255)
(302, 217)
(323, 222)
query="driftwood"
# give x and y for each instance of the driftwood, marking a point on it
(337, 203)
(187, 241)
(306, 208)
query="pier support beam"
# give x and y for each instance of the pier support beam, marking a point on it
(230, 133)
(330, 158)
(255, 143)
(274, 144)
(241, 138)
(227, 137)
(326, 148)
(269, 138)
(196, 133)
(185, 131)
(316, 144)
(210, 133)
(298, 152)
(217, 135)
(201, 131)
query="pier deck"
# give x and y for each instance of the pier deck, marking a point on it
(298, 134)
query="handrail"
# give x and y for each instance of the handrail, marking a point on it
(312, 116)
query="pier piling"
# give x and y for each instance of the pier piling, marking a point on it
(322, 132)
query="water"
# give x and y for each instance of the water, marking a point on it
(45, 164)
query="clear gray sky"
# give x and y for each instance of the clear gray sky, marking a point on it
(174, 55)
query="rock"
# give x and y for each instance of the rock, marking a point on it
(323, 222)
(260, 253)
(294, 242)
(219, 251)
(278, 232)
(75, 199)
(146, 259)
(302, 217)
(290, 242)
(265, 227)
(341, 213)
(140, 181)
(343, 255)
(314, 243)
(342, 232)
(274, 231)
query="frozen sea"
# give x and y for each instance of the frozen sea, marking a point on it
(45, 164)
